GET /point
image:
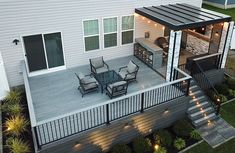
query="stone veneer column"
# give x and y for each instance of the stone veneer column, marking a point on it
(226, 40)
(173, 53)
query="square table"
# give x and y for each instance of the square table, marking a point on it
(106, 78)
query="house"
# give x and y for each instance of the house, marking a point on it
(180, 50)
(224, 4)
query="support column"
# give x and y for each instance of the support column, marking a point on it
(173, 53)
(226, 43)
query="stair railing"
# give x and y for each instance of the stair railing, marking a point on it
(205, 84)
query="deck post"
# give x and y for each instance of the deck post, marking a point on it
(142, 103)
(173, 53)
(226, 43)
(36, 138)
(188, 86)
(107, 114)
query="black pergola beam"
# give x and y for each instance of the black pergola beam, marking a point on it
(182, 16)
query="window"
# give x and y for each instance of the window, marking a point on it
(110, 32)
(44, 51)
(91, 34)
(127, 29)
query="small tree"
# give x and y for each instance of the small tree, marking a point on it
(16, 145)
(195, 135)
(179, 143)
(12, 109)
(16, 125)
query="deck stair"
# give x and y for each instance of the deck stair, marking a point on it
(200, 110)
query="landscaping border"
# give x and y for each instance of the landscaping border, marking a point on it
(189, 147)
(231, 100)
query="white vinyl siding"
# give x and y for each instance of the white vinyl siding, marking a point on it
(127, 29)
(91, 35)
(24, 17)
(110, 32)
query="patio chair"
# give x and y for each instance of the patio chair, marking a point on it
(129, 72)
(117, 89)
(87, 84)
(98, 65)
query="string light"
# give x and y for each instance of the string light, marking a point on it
(203, 29)
(143, 18)
(149, 21)
(155, 24)
(163, 28)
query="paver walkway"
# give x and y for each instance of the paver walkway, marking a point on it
(217, 133)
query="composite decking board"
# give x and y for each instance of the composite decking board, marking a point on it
(107, 136)
(56, 93)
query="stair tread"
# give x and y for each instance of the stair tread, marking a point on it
(197, 98)
(196, 106)
(195, 92)
(193, 86)
(204, 118)
(200, 112)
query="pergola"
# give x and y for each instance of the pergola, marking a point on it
(179, 17)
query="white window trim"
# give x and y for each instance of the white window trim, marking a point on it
(110, 32)
(84, 46)
(127, 30)
(48, 70)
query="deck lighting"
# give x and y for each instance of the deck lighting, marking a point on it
(218, 99)
(201, 109)
(222, 24)
(136, 15)
(150, 130)
(156, 146)
(203, 29)
(217, 34)
(77, 144)
(194, 97)
(166, 111)
(205, 115)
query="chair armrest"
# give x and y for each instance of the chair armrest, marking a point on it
(93, 69)
(106, 65)
(122, 68)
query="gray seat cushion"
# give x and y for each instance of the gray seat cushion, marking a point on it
(90, 86)
(123, 73)
(97, 62)
(101, 70)
(88, 80)
(116, 84)
(131, 67)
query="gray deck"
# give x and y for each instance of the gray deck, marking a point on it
(56, 93)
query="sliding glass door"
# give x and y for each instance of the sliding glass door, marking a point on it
(44, 51)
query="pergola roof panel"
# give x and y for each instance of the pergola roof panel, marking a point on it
(182, 16)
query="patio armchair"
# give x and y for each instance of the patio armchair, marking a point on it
(87, 84)
(128, 73)
(117, 89)
(98, 65)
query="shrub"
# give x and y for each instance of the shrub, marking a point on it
(179, 143)
(163, 137)
(12, 109)
(16, 125)
(14, 96)
(231, 92)
(16, 145)
(141, 145)
(223, 98)
(195, 135)
(161, 150)
(231, 83)
(182, 128)
(222, 89)
(121, 148)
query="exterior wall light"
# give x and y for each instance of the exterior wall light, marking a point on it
(127, 126)
(15, 41)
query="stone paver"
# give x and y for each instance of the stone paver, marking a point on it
(217, 132)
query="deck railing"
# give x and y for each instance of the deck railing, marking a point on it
(66, 125)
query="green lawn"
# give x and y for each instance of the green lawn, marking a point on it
(227, 113)
(230, 12)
